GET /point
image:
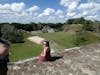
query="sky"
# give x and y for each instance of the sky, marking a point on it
(48, 11)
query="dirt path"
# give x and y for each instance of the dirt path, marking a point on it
(36, 39)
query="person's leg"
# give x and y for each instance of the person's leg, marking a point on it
(41, 58)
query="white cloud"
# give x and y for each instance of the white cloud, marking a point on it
(5, 9)
(18, 7)
(76, 9)
(71, 14)
(47, 12)
(86, 6)
(51, 15)
(98, 1)
(5, 6)
(77, 16)
(92, 17)
(5, 12)
(32, 9)
(18, 12)
(91, 8)
(59, 12)
(51, 18)
(67, 2)
(61, 16)
(85, 13)
(12, 8)
(72, 7)
(23, 14)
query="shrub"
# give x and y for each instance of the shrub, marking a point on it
(81, 38)
(88, 26)
(11, 34)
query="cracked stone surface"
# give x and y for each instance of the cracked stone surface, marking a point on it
(83, 61)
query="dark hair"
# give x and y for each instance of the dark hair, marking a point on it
(47, 43)
(5, 43)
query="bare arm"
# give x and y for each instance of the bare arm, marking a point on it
(44, 51)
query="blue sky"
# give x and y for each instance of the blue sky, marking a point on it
(41, 3)
(26, 11)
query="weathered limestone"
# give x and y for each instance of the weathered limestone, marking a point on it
(79, 61)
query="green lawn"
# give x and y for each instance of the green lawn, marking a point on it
(24, 50)
(63, 39)
(73, 27)
(67, 39)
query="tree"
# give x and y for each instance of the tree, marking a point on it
(7, 31)
(19, 37)
(96, 25)
(11, 34)
(70, 21)
(81, 38)
(88, 26)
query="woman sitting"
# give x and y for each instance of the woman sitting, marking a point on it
(45, 54)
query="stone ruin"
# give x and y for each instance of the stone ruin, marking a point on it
(82, 61)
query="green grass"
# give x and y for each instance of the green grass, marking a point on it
(74, 27)
(68, 39)
(87, 38)
(63, 39)
(24, 50)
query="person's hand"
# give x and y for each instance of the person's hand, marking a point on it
(43, 54)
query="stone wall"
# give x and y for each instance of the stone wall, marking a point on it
(82, 61)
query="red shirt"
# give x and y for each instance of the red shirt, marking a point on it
(45, 57)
